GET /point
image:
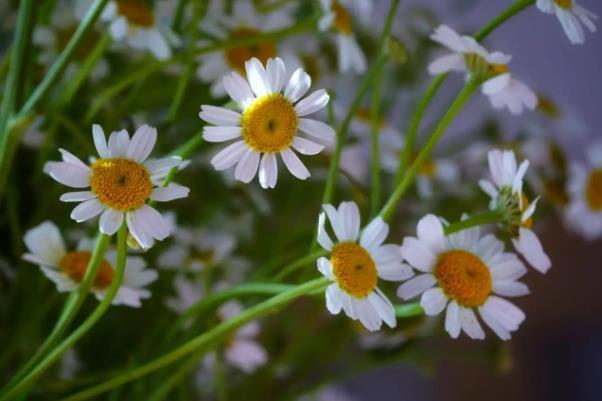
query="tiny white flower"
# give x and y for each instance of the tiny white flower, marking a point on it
(120, 182)
(272, 114)
(338, 17)
(507, 195)
(584, 212)
(354, 268)
(467, 55)
(572, 16)
(464, 272)
(67, 269)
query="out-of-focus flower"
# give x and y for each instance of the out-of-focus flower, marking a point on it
(584, 213)
(244, 22)
(67, 269)
(329, 394)
(355, 267)
(272, 114)
(188, 293)
(507, 196)
(338, 16)
(572, 17)
(70, 365)
(120, 181)
(467, 272)
(503, 90)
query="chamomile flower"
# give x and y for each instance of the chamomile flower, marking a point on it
(572, 16)
(584, 212)
(120, 182)
(67, 269)
(354, 268)
(338, 16)
(272, 114)
(137, 23)
(464, 272)
(507, 195)
(503, 90)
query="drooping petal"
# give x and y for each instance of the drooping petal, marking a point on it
(110, 221)
(268, 171)
(229, 156)
(529, 246)
(246, 169)
(433, 301)
(87, 210)
(294, 164)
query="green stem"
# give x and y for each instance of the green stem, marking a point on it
(374, 143)
(433, 88)
(491, 217)
(299, 263)
(409, 310)
(70, 309)
(204, 341)
(465, 94)
(70, 341)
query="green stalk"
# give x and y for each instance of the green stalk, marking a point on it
(374, 143)
(433, 88)
(70, 341)
(299, 263)
(205, 341)
(491, 217)
(409, 310)
(70, 309)
(465, 94)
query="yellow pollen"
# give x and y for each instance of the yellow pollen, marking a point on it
(75, 264)
(566, 4)
(353, 269)
(464, 277)
(342, 18)
(499, 69)
(137, 12)
(269, 124)
(237, 56)
(121, 184)
(525, 204)
(593, 190)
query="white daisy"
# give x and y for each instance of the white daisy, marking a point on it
(272, 114)
(467, 55)
(355, 267)
(338, 17)
(67, 269)
(188, 293)
(137, 23)
(584, 213)
(243, 22)
(464, 272)
(507, 195)
(120, 181)
(572, 17)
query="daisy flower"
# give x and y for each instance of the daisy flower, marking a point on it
(338, 17)
(120, 182)
(243, 22)
(507, 195)
(67, 269)
(572, 16)
(503, 90)
(188, 293)
(272, 114)
(354, 268)
(584, 212)
(464, 272)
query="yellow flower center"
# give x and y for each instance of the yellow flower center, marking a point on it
(137, 12)
(593, 190)
(342, 18)
(478, 65)
(121, 184)
(353, 269)
(463, 277)
(75, 264)
(237, 56)
(548, 107)
(269, 124)
(205, 257)
(364, 115)
(556, 192)
(566, 4)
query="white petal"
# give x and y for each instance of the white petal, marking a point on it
(510, 288)
(493, 323)
(157, 45)
(374, 235)
(383, 307)
(452, 319)
(87, 210)
(317, 129)
(430, 232)
(306, 147)
(470, 325)
(349, 215)
(118, 29)
(246, 169)
(494, 85)
(142, 143)
(146, 224)
(118, 143)
(72, 159)
(335, 221)
(229, 156)
(45, 242)
(220, 116)
(433, 301)
(529, 246)
(418, 254)
(238, 89)
(100, 141)
(416, 286)
(275, 71)
(162, 165)
(312, 103)
(394, 271)
(323, 237)
(257, 76)
(294, 164)
(334, 299)
(110, 221)
(506, 313)
(221, 134)
(170, 192)
(68, 174)
(447, 63)
(325, 267)
(79, 196)
(268, 171)
(298, 85)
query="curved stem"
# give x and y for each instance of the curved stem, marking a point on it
(374, 143)
(297, 264)
(204, 341)
(100, 310)
(491, 217)
(408, 310)
(387, 211)
(502, 17)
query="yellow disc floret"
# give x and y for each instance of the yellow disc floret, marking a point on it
(75, 264)
(342, 18)
(566, 4)
(463, 277)
(121, 184)
(593, 190)
(269, 124)
(137, 12)
(237, 56)
(354, 269)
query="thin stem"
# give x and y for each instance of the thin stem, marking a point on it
(409, 310)
(374, 143)
(299, 263)
(71, 307)
(491, 217)
(502, 17)
(465, 94)
(70, 341)
(204, 341)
